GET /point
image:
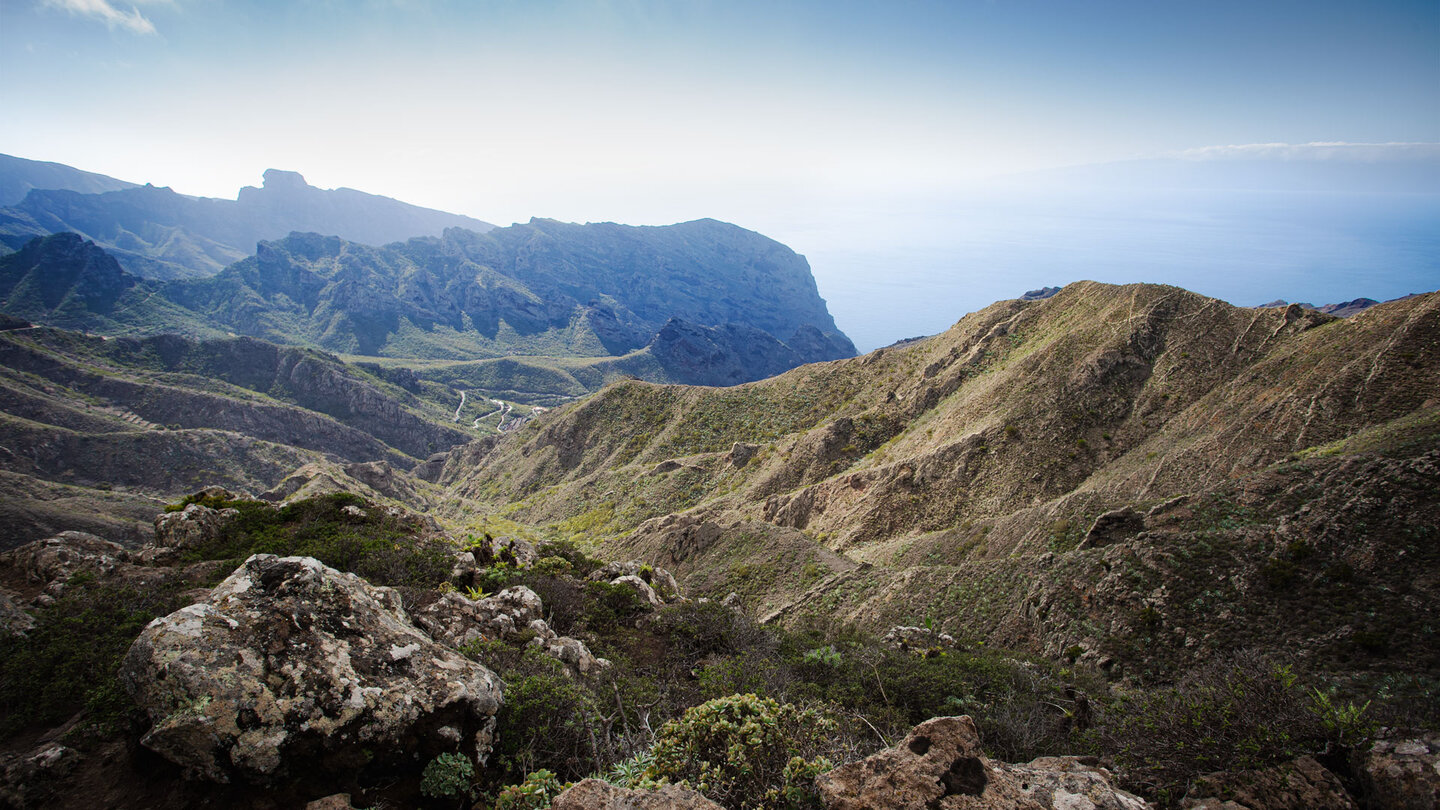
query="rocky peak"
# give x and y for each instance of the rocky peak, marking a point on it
(280, 180)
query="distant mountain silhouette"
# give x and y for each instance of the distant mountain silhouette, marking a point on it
(18, 176)
(157, 233)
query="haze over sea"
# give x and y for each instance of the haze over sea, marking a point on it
(908, 267)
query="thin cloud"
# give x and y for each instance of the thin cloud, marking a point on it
(132, 21)
(1317, 150)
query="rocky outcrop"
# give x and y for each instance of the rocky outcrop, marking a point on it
(918, 640)
(192, 527)
(940, 766)
(31, 778)
(14, 621)
(1300, 784)
(291, 667)
(1403, 774)
(593, 794)
(1113, 527)
(655, 585)
(455, 620)
(49, 563)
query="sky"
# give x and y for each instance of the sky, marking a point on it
(822, 124)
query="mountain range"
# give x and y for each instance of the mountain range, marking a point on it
(159, 233)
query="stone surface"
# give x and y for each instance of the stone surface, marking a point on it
(1403, 774)
(918, 640)
(336, 801)
(1300, 784)
(30, 778)
(52, 561)
(940, 766)
(1113, 527)
(593, 794)
(659, 588)
(455, 620)
(291, 666)
(192, 527)
(14, 621)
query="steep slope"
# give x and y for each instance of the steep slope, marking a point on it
(962, 473)
(18, 176)
(157, 233)
(64, 281)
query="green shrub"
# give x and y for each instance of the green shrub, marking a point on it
(448, 776)
(376, 545)
(548, 720)
(70, 660)
(745, 752)
(1231, 715)
(536, 793)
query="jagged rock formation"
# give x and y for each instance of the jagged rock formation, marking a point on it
(290, 665)
(157, 233)
(1298, 785)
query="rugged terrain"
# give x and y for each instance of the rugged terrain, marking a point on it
(96, 433)
(702, 302)
(1269, 460)
(1192, 542)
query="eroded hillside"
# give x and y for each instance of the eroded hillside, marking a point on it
(956, 479)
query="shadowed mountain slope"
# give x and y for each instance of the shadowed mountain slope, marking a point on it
(701, 302)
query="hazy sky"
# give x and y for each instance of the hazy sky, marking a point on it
(760, 113)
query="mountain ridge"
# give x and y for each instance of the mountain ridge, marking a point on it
(156, 232)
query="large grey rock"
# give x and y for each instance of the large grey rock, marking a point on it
(32, 778)
(940, 766)
(1404, 774)
(454, 619)
(192, 527)
(655, 585)
(14, 620)
(593, 794)
(291, 667)
(52, 561)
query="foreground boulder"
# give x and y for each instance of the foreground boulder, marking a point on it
(939, 766)
(291, 667)
(593, 794)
